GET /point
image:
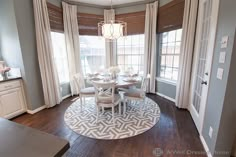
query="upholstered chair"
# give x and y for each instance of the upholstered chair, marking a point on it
(136, 94)
(105, 97)
(83, 92)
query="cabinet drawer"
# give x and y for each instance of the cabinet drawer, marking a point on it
(9, 85)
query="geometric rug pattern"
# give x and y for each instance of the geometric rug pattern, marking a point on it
(128, 125)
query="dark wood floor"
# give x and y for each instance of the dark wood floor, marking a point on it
(174, 132)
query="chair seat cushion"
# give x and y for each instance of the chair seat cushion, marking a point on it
(108, 100)
(89, 90)
(135, 93)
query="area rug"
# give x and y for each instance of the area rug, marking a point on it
(128, 125)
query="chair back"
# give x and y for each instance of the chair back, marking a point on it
(79, 82)
(144, 83)
(104, 91)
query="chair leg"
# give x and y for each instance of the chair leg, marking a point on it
(124, 106)
(113, 115)
(120, 108)
(98, 110)
(81, 103)
(102, 110)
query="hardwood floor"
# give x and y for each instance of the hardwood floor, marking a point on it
(174, 132)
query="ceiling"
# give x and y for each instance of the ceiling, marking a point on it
(107, 2)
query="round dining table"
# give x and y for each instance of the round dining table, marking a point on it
(121, 81)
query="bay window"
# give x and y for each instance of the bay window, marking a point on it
(92, 53)
(169, 54)
(130, 53)
(60, 56)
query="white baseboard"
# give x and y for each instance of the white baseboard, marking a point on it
(67, 96)
(205, 146)
(166, 97)
(36, 110)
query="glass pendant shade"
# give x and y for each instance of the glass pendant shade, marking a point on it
(112, 30)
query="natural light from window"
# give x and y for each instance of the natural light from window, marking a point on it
(60, 56)
(130, 53)
(169, 54)
(92, 54)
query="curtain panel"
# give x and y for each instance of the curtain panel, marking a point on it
(150, 45)
(186, 55)
(50, 80)
(71, 32)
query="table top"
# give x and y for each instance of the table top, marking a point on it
(19, 140)
(121, 82)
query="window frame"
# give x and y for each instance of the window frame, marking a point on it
(64, 57)
(174, 54)
(131, 54)
(84, 68)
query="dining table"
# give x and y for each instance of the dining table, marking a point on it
(120, 81)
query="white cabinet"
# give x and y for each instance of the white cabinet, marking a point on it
(12, 99)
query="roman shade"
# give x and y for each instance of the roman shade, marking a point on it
(135, 22)
(88, 23)
(55, 18)
(170, 16)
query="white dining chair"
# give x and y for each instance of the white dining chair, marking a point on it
(105, 97)
(83, 92)
(136, 94)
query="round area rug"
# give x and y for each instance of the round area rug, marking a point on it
(128, 125)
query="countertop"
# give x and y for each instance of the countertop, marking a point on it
(10, 78)
(19, 140)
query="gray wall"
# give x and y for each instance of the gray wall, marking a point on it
(166, 89)
(26, 29)
(9, 38)
(162, 87)
(136, 8)
(18, 46)
(55, 2)
(220, 107)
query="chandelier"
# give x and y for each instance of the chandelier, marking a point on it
(112, 29)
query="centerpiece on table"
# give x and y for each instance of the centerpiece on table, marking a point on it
(114, 70)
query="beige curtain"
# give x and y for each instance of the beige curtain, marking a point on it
(71, 32)
(187, 47)
(109, 45)
(50, 81)
(150, 45)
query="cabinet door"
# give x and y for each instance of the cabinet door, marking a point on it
(12, 103)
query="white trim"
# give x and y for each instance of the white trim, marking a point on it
(160, 79)
(36, 110)
(66, 96)
(205, 146)
(166, 97)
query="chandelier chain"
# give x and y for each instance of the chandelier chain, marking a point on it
(111, 5)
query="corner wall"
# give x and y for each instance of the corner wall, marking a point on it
(26, 29)
(18, 46)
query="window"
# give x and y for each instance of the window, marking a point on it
(130, 53)
(169, 54)
(60, 56)
(92, 53)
